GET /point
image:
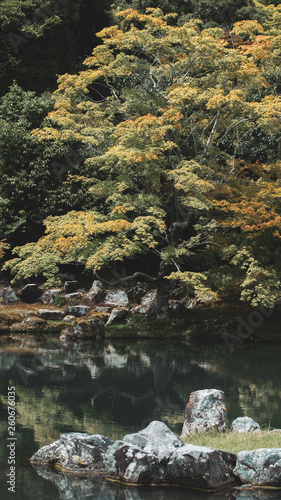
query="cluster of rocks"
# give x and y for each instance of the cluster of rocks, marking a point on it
(156, 456)
(78, 313)
(206, 410)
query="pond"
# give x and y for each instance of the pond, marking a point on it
(117, 387)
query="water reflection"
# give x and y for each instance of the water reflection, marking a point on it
(114, 388)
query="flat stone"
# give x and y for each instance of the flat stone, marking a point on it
(73, 296)
(260, 467)
(32, 320)
(205, 410)
(79, 310)
(52, 314)
(245, 424)
(103, 309)
(118, 298)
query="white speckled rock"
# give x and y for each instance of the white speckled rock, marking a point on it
(118, 298)
(205, 410)
(129, 464)
(141, 458)
(201, 467)
(260, 467)
(245, 424)
(75, 452)
(156, 438)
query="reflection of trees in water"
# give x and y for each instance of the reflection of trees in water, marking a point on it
(117, 387)
(261, 402)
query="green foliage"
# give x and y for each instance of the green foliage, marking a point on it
(32, 173)
(161, 118)
(37, 263)
(212, 13)
(39, 41)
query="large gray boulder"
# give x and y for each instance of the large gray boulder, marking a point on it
(155, 455)
(260, 467)
(245, 424)
(75, 452)
(157, 439)
(205, 410)
(201, 467)
(142, 457)
(130, 464)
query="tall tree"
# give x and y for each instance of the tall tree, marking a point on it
(174, 105)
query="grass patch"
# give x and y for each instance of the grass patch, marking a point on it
(234, 441)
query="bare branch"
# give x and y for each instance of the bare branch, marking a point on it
(133, 277)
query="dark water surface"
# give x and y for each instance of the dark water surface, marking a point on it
(118, 387)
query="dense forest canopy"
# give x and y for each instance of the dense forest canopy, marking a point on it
(164, 144)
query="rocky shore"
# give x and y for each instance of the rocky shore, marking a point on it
(156, 456)
(73, 312)
(76, 312)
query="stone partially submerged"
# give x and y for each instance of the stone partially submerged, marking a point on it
(201, 467)
(205, 410)
(156, 456)
(260, 467)
(75, 452)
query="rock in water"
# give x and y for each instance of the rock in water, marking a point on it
(260, 467)
(201, 467)
(142, 457)
(157, 439)
(75, 452)
(129, 464)
(155, 455)
(205, 410)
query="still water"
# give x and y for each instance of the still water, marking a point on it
(117, 387)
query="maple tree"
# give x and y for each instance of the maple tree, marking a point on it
(162, 112)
